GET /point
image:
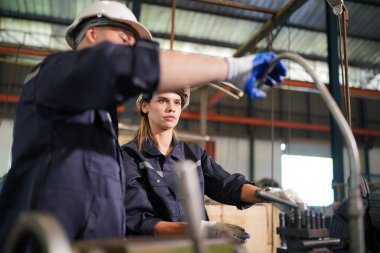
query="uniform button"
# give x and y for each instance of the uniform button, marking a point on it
(158, 180)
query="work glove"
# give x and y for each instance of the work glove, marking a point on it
(288, 195)
(214, 229)
(246, 72)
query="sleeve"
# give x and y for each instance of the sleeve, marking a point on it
(98, 77)
(140, 217)
(221, 185)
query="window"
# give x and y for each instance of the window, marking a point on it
(310, 177)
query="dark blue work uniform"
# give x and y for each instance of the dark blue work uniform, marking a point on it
(151, 192)
(66, 159)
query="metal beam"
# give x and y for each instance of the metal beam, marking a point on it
(35, 17)
(334, 88)
(304, 87)
(213, 117)
(279, 18)
(239, 6)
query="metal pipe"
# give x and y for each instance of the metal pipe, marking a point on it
(191, 196)
(262, 194)
(228, 89)
(355, 209)
(43, 230)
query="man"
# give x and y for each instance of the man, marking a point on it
(66, 159)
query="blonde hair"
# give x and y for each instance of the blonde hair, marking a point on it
(144, 132)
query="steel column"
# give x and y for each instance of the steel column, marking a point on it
(334, 87)
(136, 8)
(364, 123)
(251, 134)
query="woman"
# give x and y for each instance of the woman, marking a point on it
(153, 204)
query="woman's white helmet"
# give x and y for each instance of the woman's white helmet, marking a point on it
(112, 10)
(183, 93)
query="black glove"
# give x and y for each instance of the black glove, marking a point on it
(224, 230)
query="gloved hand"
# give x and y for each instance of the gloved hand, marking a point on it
(288, 195)
(224, 230)
(245, 72)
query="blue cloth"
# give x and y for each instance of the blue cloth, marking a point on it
(66, 159)
(151, 193)
(261, 63)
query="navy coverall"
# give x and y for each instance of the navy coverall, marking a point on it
(151, 192)
(66, 159)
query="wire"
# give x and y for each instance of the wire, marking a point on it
(173, 24)
(343, 55)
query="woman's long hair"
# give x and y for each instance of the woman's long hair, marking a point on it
(144, 132)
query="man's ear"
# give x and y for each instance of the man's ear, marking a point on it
(90, 35)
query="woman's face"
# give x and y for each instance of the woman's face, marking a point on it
(163, 110)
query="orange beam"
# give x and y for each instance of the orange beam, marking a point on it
(19, 50)
(9, 98)
(309, 85)
(239, 120)
(218, 95)
(14, 99)
(276, 123)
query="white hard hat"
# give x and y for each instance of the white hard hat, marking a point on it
(183, 93)
(112, 10)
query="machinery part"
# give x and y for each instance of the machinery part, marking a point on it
(339, 224)
(147, 244)
(270, 197)
(37, 231)
(40, 233)
(190, 190)
(229, 89)
(355, 210)
(304, 232)
(337, 6)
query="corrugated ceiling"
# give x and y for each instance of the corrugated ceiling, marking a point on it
(213, 29)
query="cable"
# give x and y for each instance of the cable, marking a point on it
(355, 207)
(343, 55)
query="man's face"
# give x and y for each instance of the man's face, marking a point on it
(114, 34)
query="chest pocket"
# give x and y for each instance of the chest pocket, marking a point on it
(154, 177)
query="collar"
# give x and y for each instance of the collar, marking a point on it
(177, 152)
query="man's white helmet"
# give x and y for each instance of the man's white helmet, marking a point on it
(111, 10)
